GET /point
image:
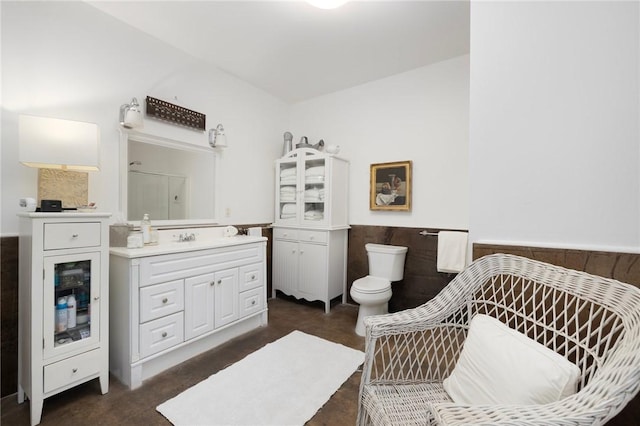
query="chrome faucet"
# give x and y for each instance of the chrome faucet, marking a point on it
(186, 237)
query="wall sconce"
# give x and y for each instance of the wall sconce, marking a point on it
(217, 138)
(131, 115)
(58, 144)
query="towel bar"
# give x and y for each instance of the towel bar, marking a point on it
(425, 233)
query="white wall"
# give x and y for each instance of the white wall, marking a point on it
(420, 115)
(69, 60)
(554, 124)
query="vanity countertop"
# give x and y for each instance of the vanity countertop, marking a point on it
(178, 247)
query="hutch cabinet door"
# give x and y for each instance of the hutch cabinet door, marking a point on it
(313, 271)
(66, 329)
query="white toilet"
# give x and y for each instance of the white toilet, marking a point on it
(386, 264)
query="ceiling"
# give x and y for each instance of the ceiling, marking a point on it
(295, 51)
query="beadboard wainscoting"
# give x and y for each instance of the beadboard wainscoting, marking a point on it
(9, 309)
(623, 267)
(421, 280)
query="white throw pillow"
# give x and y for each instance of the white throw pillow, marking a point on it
(499, 365)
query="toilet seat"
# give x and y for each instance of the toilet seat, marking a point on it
(371, 285)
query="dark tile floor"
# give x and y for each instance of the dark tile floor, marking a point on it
(85, 405)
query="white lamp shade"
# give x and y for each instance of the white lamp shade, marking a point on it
(58, 144)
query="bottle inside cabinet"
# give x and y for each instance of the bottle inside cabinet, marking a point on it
(72, 281)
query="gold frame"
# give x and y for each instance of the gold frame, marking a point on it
(390, 187)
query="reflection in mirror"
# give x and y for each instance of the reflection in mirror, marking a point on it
(171, 183)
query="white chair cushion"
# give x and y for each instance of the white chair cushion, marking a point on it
(499, 365)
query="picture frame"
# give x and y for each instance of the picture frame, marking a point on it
(390, 187)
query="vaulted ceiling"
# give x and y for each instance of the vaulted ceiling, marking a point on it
(296, 51)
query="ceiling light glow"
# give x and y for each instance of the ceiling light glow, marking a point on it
(327, 4)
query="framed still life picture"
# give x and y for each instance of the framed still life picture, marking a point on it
(390, 186)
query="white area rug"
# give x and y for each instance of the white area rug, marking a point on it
(284, 383)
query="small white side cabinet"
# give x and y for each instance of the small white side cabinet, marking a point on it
(311, 226)
(62, 255)
(168, 305)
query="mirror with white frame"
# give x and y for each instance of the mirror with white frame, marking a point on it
(170, 180)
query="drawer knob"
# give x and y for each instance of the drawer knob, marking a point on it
(75, 370)
(96, 298)
(164, 334)
(253, 277)
(253, 302)
(74, 236)
(311, 237)
(165, 300)
(285, 235)
(212, 283)
(219, 282)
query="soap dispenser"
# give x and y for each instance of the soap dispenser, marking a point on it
(145, 227)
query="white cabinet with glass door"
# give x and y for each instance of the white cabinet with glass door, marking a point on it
(63, 304)
(311, 225)
(312, 189)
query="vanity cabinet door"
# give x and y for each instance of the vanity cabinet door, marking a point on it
(225, 297)
(198, 313)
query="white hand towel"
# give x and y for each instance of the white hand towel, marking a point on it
(288, 172)
(288, 209)
(314, 171)
(452, 251)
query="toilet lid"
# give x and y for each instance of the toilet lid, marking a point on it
(370, 284)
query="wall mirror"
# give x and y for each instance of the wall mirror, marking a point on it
(173, 181)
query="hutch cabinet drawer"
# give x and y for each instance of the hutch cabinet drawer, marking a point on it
(71, 370)
(285, 233)
(161, 299)
(251, 301)
(161, 334)
(312, 236)
(251, 276)
(71, 235)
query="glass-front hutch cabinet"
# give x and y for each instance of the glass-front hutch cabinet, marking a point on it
(63, 304)
(311, 225)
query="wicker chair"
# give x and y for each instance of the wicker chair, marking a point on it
(592, 321)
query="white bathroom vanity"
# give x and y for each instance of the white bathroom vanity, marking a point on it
(175, 300)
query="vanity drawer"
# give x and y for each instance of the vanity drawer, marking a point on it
(161, 299)
(169, 267)
(72, 370)
(251, 301)
(71, 235)
(161, 334)
(285, 233)
(313, 236)
(251, 276)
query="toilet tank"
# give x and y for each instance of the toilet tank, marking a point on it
(386, 261)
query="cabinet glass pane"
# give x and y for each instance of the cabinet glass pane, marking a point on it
(314, 189)
(72, 309)
(288, 190)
